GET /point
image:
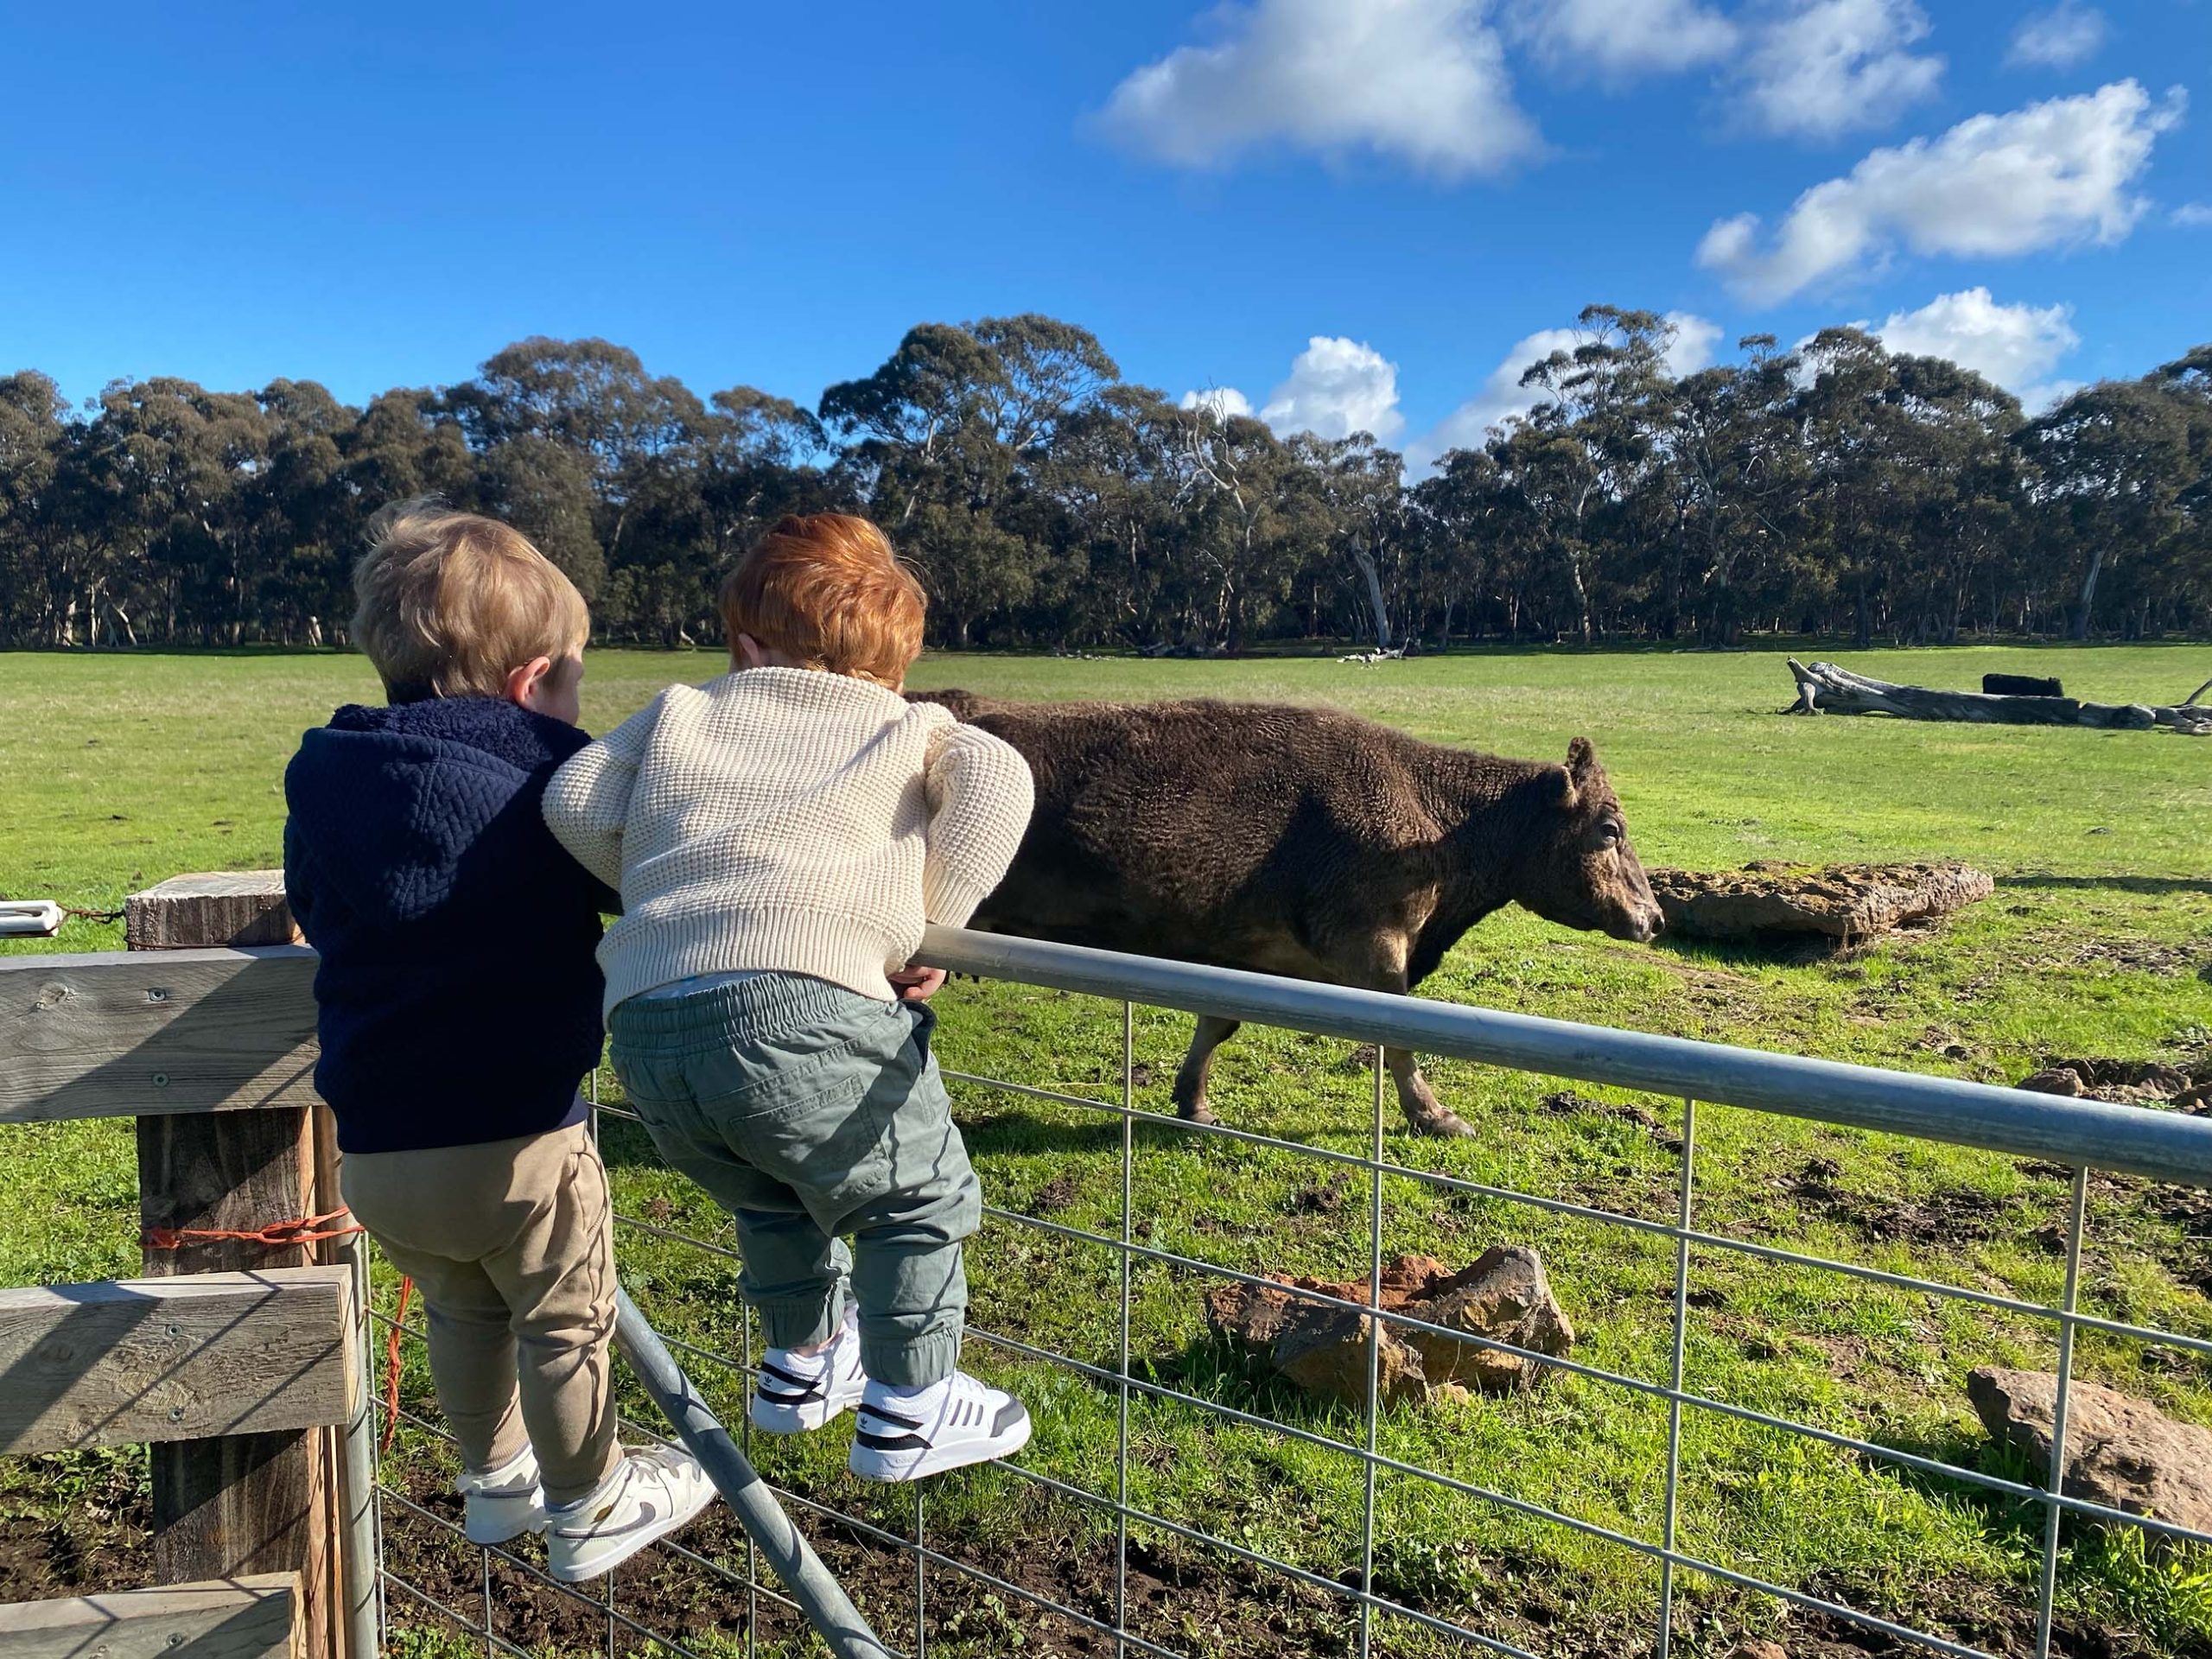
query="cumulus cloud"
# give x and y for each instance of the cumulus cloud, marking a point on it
(2057, 38)
(1336, 387)
(1619, 40)
(1501, 397)
(1820, 68)
(1221, 402)
(2194, 215)
(2051, 175)
(1422, 80)
(2015, 345)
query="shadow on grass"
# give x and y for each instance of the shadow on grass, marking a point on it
(2013, 1519)
(2149, 884)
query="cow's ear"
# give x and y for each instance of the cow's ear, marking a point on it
(1581, 760)
(1559, 788)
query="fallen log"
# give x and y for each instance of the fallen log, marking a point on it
(2021, 685)
(1825, 689)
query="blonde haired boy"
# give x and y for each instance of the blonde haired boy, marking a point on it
(458, 1005)
(780, 836)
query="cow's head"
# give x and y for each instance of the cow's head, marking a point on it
(1581, 870)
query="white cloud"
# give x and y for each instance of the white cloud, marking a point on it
(1221, 402)
(2047, 176)
(1820, 68)
(1336, 387)
(1424, 80)
(1694, 339)
(2058, 39)
(2194, 215)
(1501, 395)
(1617, 40)
(2015, 345)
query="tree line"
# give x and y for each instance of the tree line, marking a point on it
(1837, 489)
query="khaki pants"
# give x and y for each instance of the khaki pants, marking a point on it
(510, 1243)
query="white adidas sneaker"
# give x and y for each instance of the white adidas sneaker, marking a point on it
(955, 1423)
(501, 1504)
(649, 1495)
(796, 1394)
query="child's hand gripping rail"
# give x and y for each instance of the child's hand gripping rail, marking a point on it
(827, 1609)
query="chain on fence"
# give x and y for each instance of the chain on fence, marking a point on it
(1092, 1566)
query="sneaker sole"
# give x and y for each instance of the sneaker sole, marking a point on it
(791, 1420)
(506, 1534)
(891, 1468)
(599, 1566)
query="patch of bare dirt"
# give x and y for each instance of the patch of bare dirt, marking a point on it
(1565, 1103)
(2137, 956)
(1948, 1216)
(1185, 1599)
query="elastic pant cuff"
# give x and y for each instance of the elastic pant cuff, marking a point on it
(911, 1361)
(800, 1324)
(557, 1496)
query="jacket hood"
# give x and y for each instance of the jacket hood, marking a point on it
(398, 802)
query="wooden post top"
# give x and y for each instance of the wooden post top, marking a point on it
(220, 908)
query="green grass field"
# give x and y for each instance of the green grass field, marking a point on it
(119, 771)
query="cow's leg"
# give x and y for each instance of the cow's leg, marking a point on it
(1427, 1115)
(1190, 1080)
(1378, 963)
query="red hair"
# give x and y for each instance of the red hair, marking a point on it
(827, 591)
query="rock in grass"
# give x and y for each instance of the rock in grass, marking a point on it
(2120, 1452)
(1504, 1296)
(1844, 902)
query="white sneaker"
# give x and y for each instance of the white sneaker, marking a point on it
(503, 1503)
(649, 1495)
(796, 1395)
(948, 1426)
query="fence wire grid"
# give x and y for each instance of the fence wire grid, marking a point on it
(917, 1592)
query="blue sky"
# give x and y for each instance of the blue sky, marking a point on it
(1346, 211)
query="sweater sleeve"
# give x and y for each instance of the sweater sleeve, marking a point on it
(587, 802)
(979, 794)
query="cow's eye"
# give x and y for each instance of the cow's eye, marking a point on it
(1609, 834)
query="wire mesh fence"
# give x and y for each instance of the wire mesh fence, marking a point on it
(1200, 1508)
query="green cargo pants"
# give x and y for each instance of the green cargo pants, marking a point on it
(810, 1111)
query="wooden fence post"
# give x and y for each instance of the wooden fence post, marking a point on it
(238, 1505)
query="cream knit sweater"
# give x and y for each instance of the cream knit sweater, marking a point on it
(787, 819)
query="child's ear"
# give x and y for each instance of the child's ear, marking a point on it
(523, 683)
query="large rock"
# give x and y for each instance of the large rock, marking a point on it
(1504, 1296)
(1844, 902)
(2120, 1452)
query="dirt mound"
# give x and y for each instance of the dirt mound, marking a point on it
(2128, 1082)
(1847, 903)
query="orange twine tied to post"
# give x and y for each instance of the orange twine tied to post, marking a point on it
(304, 1229)
(391, 1366)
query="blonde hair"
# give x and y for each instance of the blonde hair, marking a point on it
(828, 590)
(448, 604)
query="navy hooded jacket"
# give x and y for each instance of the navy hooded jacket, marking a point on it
(458, 996)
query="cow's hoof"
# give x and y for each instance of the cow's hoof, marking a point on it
(1448, 1126)
(1198, 1114)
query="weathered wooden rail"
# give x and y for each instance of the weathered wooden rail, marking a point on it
(239, 1358)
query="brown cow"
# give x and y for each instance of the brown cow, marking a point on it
(1300, 841)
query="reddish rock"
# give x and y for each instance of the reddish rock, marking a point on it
(1504, 1296)
(2120, 1452)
